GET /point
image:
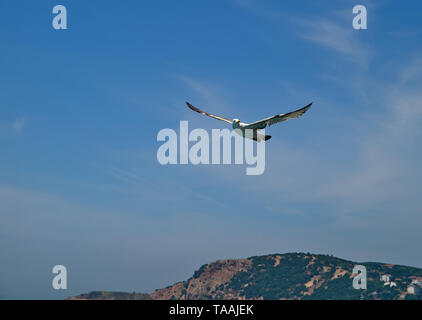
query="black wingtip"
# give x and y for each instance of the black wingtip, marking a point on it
(190, 106)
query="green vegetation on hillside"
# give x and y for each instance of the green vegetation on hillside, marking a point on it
(284, 276)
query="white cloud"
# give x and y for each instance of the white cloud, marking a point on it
(388, 169)
(337, 36)
(335, 33)
(17, 125)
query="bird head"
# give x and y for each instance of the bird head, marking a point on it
(235, 123)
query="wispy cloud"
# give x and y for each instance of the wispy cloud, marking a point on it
(197, 86)
(387, 169)
(209, 94)
(18, 125)
(335, 34)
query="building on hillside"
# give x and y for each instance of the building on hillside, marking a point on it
(417, 282)
(412, 289)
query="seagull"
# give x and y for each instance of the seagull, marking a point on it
(254, 127)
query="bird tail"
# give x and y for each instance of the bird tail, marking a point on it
(259, 138)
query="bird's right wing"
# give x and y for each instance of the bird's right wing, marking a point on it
(261, 124)
(207, 114)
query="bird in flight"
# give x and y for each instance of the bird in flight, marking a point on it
(253, 133)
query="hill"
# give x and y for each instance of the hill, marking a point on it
(287, 276)
(111, 295)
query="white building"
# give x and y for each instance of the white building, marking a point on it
(411, 289)
(417, 282)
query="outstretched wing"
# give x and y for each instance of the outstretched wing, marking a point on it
(207, 114)
(261, 124)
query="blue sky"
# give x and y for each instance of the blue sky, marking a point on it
(80, 110)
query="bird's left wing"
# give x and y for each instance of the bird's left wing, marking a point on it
(207, 114)
(261, 124)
